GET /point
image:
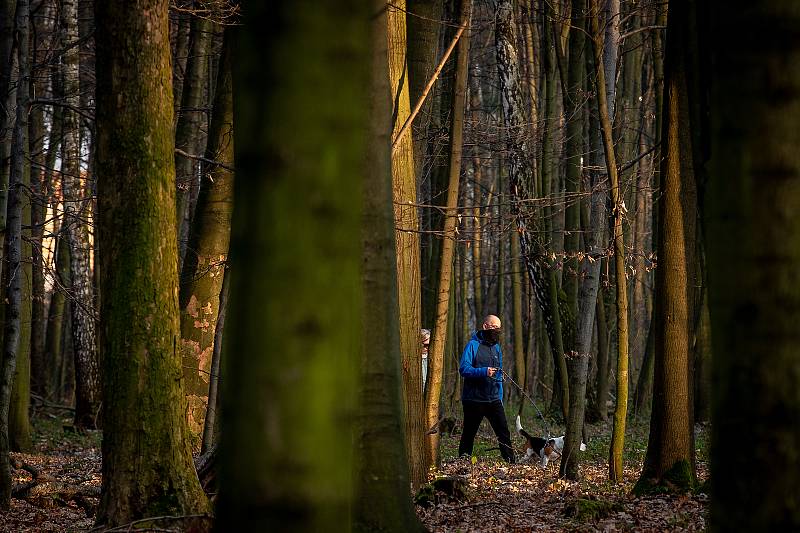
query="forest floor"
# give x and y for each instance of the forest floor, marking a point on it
(500, 497)
(524, 498)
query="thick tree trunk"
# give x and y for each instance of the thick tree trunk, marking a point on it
(753, 254)
(295, 315)
(669, 461)
(381, 500)
(147, 464)
(206, 255)
(406, 220)
(436, 353)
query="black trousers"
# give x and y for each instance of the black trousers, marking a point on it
(473, 415)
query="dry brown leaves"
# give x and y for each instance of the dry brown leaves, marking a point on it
(72, 466)
(527, 498)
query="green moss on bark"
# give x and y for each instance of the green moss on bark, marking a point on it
(147, 465)
(585, 510)
(679, 479)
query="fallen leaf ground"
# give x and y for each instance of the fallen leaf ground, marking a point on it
(525, 498)
(502, 498)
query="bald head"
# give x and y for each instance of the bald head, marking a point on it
(491, 322)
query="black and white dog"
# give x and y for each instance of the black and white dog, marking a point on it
(545, 449)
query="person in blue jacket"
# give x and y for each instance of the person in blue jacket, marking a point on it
(482, 393)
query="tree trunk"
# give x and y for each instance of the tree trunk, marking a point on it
(37, 133)
(404, 191)
(600, 409)
(516, 287)
(143, 408)
(7, 97)
(669, 461)
(620, 413)
(76, 212)
(12, 330)
(206, 255)
(439, 335)
(423, 45)
(642, 397)
(703, 357)
(295, 315)
(53, 347)
(753, 229)
(543, 279)
(189, 136)
(210, 423)
(381, 500)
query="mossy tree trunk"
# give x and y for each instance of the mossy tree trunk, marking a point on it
(206, 255)
(669, 461)
(295, 316)
(404, 190)
(381, 501)
(753, 253)
(147, 464)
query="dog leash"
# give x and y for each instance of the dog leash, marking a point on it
(525, 394)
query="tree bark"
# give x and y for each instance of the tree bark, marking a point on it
(436, 354)
(753, 253)
(77, 208)
(669, 461)
(543, 279)
(620, 413)
(381, 501)
(423, 45)
(404, 192)
(147, 464)
(210, 423)
(7, 99)
(206, 255)
(12, 330)
(189, 136)
(295, 315)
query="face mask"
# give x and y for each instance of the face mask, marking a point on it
(491, 336)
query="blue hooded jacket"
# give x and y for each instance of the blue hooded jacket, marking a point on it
(478, 356)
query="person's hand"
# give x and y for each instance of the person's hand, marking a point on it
(491, 371)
